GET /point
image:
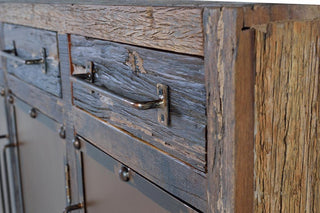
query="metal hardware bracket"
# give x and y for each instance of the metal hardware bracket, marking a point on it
(73, 207)
(162, 103)
(12, 54)
(89, 72)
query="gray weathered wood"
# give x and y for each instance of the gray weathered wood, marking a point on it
(2, 81)
(173, 176)
(220, 40)
(172, 28)
(29, 44)
(47, 104)
(186, 3)
(70, 155)
(229, 68)
(134, 72)
(102, 194)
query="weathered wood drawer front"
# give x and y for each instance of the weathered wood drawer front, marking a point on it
(134, 73)
(29, 44)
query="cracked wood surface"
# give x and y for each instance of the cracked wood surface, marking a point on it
(29, 43)
(169, 28)
(229, 65)
(134, 72)
(287, 144)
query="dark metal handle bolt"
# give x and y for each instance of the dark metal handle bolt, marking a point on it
(76, 143)
(33, 113)
(3, 92)
(124, 173)
(62, 132)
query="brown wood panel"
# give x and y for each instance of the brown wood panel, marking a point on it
(244, 118)
(287, 144)
(169, 28)
(263, 14)
(134, 72)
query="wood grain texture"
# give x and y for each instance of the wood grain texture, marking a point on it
(168, 3)
(76, 195)
(170, 174)
(172, 28)
(287, 144)
(29, 44)
(49, 105)
(263, 14)
(244, 122)
(134, 73)
(220, 67)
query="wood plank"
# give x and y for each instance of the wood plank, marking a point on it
(47, 104)
(244, 118)
(139, 194)
(134, 73)
(263, 14)
(76, 195)
(172, 28)
(165, 171)
(229, 69)
(169, 3)
(287, 143)
(220, 59)
(29, 43)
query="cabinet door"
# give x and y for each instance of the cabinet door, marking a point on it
(41, 161)
(112, 187)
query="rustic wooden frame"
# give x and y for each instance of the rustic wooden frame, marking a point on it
(228, 50)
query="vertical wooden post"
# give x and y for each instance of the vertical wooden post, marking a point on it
(229, 64)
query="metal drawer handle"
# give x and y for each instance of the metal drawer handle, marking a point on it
(12, 54)
(10, 145)
(73, 207)
(161, 103)
(1, 181)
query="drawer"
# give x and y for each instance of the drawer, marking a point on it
(108, 184)
(133, 73)
(32, 56)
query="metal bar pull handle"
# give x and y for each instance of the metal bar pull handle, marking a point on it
(10, 145)
(73, 207)
(161, 103)
(1, 181)
(12, 54)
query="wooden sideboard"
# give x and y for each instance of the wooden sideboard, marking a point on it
(159, 106)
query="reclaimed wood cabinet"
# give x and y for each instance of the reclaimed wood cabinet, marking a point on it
(41, 160)
(158, 106)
